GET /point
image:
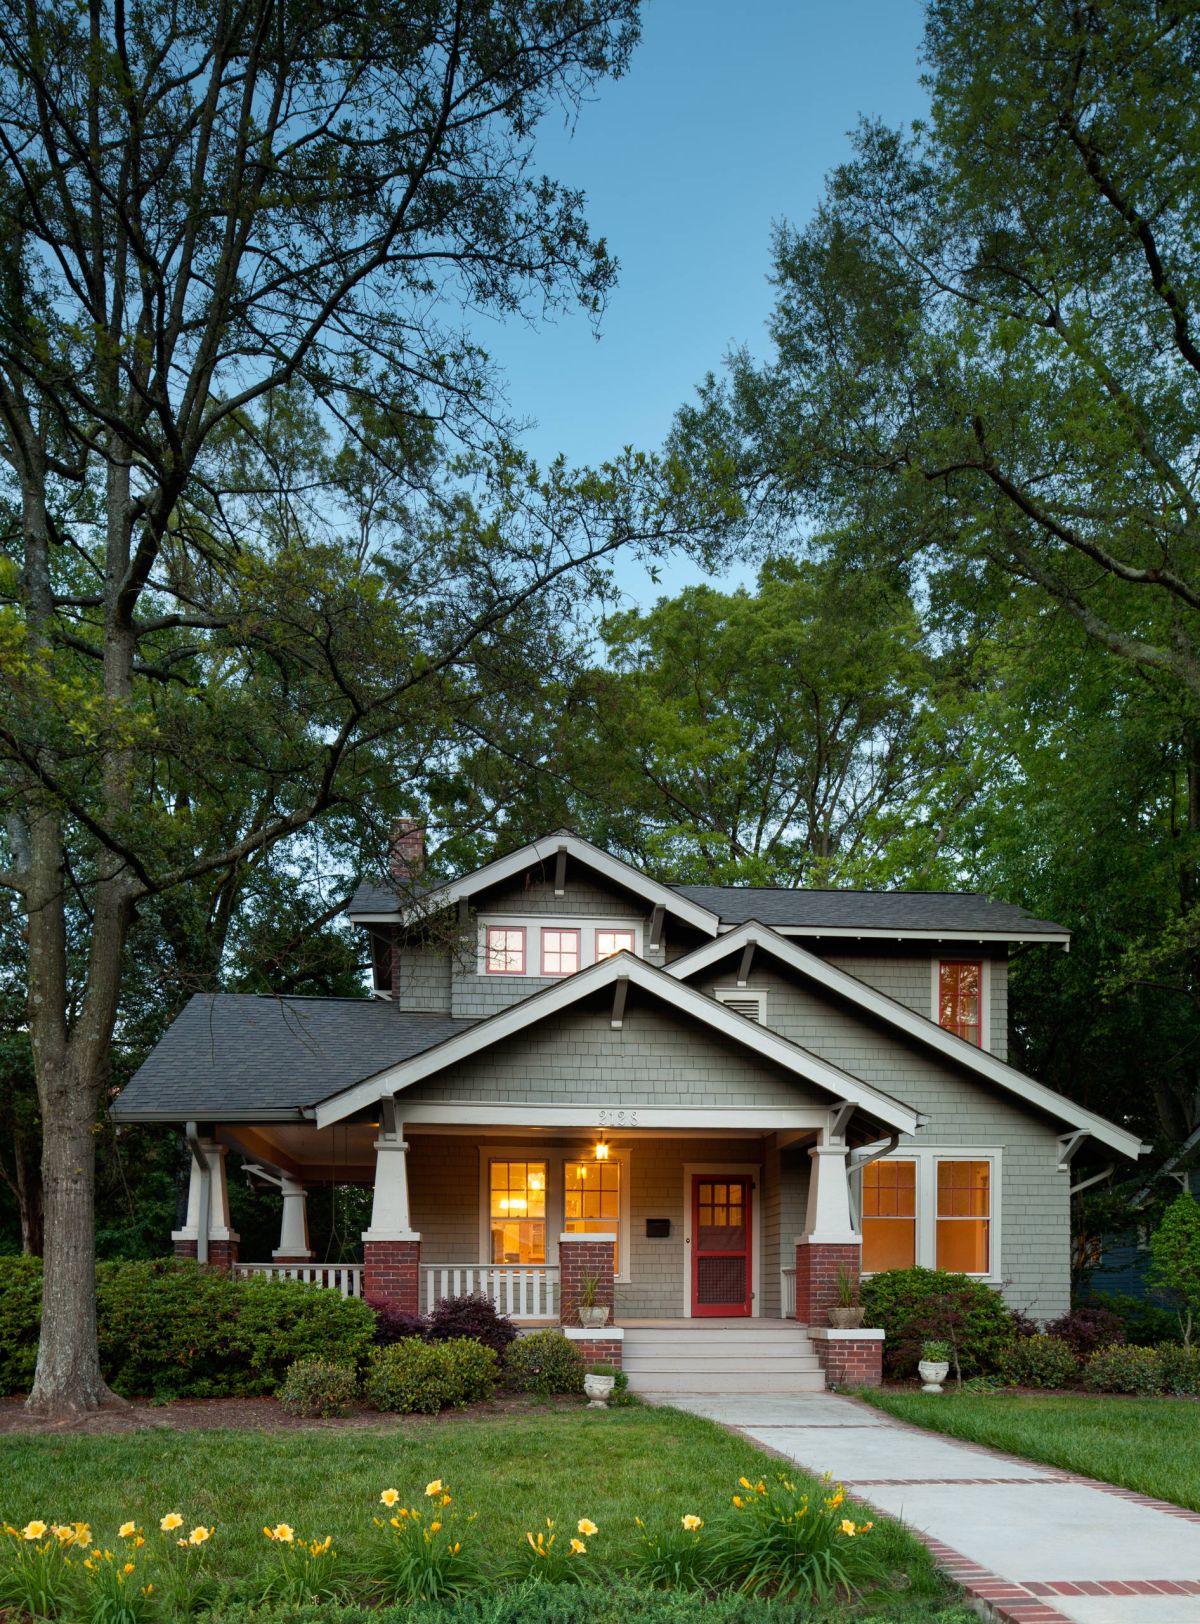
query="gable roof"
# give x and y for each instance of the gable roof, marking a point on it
(254, 1057)
(947, 1044)
(573, 990)
(928, 915)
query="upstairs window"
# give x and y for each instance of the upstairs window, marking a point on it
(609, 942)
(960, 998)
(560, 952)
(505, 952)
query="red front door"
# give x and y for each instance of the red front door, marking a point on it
(721, 1270)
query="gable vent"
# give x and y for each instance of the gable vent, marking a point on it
(743, 1001)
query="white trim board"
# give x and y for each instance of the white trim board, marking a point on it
(861, 933)
(907, 1020)
(561, 995)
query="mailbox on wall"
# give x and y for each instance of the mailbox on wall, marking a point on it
(657, 1229)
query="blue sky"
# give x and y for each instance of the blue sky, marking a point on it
(729, 119)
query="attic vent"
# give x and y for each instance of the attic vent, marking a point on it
(748, 1001)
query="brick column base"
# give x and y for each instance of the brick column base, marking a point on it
(597, 1349)
(300, 1257)
(817, 1269)
(392, 1274)
(579, 1255)
(221, 1254)
(849, 1358)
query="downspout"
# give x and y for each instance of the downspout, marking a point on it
(192, 1134)
(863, 1158)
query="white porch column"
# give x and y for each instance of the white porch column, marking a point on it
(293, 1229)
(828, 1221)
(218, 1206)
(389, 1210)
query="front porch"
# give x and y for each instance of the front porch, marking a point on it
(714, 1253)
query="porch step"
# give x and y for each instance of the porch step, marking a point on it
(767, 1357)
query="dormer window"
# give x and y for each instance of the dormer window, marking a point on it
(960, 998)
(505, 951)
(560, 952)
(609, 942)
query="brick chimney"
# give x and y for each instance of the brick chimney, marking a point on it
(407, 850)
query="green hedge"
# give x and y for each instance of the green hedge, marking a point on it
(913, 1305)
(418, 1377)
(169, 1329)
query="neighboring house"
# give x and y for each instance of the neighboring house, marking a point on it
(713, 1100)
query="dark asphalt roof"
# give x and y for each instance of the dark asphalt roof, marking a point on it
(228, 1053)
(951, 912)
(948, 911)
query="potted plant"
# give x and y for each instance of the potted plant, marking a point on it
(934, 1365)
(598, 1383)
(592, 1315)
(848, 1315)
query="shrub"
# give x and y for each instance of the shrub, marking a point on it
(1175, 1255)
(1147, 1324)
(1181, 1369)
(1125, 1368)
(913, 1305)
(20, 1319)
(476, 1317)
(315, 1387)
(394, 1324)
(278, 1321)
(1087, 1328)
(425, 1377)
(544, 1362)
(1039, 1361)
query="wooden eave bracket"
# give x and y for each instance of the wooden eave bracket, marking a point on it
(743, 975)
(839, 1118)
(560, 872)
(657, 919)
(620, 988)
(1068, 1145)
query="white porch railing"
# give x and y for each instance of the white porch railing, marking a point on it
(787, 1293)
(344, 1277)
(522, 1293)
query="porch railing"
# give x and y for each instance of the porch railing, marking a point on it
(787, 1293)
(522, 1293)
(344, 1277)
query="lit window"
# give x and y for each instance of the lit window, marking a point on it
(609, 942)
(505, 951)
(560, 952)
(960, 997)
(889, 1215)
(964, 1212)
(518, 1212)
(592, 1198)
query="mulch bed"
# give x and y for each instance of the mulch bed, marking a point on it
(258, 1415)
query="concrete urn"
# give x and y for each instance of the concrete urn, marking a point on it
(846, 1319)
(933, 1373)
(598, 1389)
(593, 1318)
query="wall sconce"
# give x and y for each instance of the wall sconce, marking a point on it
(601, 1149)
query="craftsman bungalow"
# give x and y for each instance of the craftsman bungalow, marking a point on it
(712, 1100)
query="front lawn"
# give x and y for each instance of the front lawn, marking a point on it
(513, 1470)
(1151, 1445)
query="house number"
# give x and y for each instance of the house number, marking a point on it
(617, 1119)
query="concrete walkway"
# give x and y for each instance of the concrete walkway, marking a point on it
(1039, 1545)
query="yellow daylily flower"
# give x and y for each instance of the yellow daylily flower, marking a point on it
(578, 1548)
(199, 1534)
(691, 1522)
(171, 1521)
(83, 1535)
(737, 1500)
(456, 1547)
(744, 1483)
(182, 1543)
(284, 1532)
(847, 1527)
(587, 1527)
(33, 1530)
(433, 1488)
(128, 1568)
(435, 1527)
(389, 1497)
(127, 1529)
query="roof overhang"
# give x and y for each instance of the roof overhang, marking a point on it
(946, 1044)
(682, 999)
(545, 851)
(856, 933)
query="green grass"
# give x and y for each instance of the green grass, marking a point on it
(514, 1470)
(1151, 1445)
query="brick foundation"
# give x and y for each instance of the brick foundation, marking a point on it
(817, 1269)
(299, 1257)
(849, 1359)
(221, 1254)
(601, 1350)
(392, 1274)
(579, 1255)
(185, 1249)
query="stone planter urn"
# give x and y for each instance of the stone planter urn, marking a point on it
(933, 1373)
(593, 1318)
(598, 1388)
(846, 1319)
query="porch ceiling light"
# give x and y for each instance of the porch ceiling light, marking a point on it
(601, 1150)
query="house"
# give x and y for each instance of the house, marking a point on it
(711, 1100)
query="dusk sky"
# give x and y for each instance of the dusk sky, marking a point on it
(729, 119)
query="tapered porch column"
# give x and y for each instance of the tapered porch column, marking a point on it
(206, 1234)
(830, 1245)
(293, 1227)
(391, 1247)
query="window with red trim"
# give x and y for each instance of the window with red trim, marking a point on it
(960, 998)
(505, 955)
(560, 952)
(609, 942)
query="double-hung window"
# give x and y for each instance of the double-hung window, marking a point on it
(609, 942)
(933, 1208)
(592, 1199)
(560, 952)
(960, 998)
(517, 1209)
(505, 950)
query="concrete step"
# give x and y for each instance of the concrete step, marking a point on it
(725, 1361)
(718, 1342)
(756, 1381)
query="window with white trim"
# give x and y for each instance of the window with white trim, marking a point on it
(517, 1211)
(505, 950)
(960, 998)
(530, 1194)
(936, 1208)
(592, 1199)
